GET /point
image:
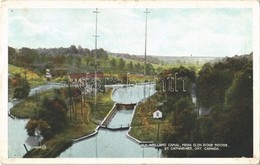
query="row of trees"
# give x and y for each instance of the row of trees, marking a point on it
(121, 65)
(40, 59)
(224, 88)
(74, 59)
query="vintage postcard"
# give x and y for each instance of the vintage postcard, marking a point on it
(130, 82)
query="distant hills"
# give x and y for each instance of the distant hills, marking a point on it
(168, 59)
(160, 60)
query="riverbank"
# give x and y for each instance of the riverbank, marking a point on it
(144, 127)
(83, 122)
(26, 108)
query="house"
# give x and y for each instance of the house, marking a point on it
(157, 114)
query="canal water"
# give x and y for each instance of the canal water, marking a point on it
(133, 94)
(17, 136)
(115, 144)
(121, 119)
(111, 144)
(105, 144)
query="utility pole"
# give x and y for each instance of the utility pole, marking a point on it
(96, 36)
(145, 41)
(145, 45)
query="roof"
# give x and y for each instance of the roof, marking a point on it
(157, 111)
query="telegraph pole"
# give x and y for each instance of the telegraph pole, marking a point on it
(145, 41)
(96, 36)
(145, 45)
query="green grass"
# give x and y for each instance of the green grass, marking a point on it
(151, 132)
(27, 107)
(103, 106)
(196, 67)
(144, 127)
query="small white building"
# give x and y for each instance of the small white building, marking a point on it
(157, 114)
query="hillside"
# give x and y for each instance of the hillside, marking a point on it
(33, 78)
(78, 59)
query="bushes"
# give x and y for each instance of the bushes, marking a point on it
(51, 118)
(22, 87)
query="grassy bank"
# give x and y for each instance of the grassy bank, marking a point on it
(103, 106)
(144, 127)
(81, 123)
(33, 78)
(27, 107)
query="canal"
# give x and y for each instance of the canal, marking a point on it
(115, 144)
(110, 144)
(105, 144)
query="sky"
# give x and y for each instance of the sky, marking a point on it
(170, 31)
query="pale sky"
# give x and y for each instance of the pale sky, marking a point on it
(171, 31)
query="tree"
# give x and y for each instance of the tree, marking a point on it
(217, 78)
(113, 63)
(184, 121)
(80, 50)
(21, 87)
(28, 56)
(121, 64)
(236, 126)
(228, 87)
(11, 55)
(130, 66)
(73, 49)
(78, 61)
(159, 69)
(51, 117)
(149, 69)
(101, 53)
(137, 67)
(58, 60)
